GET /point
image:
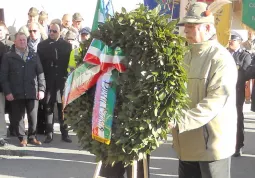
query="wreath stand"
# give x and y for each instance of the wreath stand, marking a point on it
(134, 169)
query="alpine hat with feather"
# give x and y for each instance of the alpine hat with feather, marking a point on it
(200, 12)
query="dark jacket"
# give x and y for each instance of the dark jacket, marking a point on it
(243, 61)
(2, 52)
(54, 57)
(22, 78)
(250, 73)
(8, 44)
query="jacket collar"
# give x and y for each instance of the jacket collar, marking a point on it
(201, 47)
(30, 55)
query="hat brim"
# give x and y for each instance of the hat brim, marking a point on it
(33, 14)
(186, 20)
(86, 33)
(43, 17)
(78, 19)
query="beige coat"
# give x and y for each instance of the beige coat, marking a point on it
(208, 130)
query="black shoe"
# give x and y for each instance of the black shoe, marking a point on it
(3, 142)
(238, 153)
(66, 139)
(48, 139)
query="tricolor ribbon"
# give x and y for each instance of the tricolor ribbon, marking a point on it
(105, 96)
(99, 67)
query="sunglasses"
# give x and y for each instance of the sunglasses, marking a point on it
(30, 31)
(53, 31)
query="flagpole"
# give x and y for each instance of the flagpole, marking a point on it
(95, 20)
(112, 6)
(183, 4)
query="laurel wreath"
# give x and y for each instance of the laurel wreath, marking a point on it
(150, 94)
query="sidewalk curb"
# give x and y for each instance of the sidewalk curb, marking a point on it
(11, 152)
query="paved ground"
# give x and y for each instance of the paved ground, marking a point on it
(64, 160)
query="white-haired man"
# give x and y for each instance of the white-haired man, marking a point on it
(205, 137)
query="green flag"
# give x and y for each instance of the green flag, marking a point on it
(102, 10)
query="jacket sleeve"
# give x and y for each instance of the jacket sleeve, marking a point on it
(219, 87)
(247, 61)
(250, 71)
(40, 75)
(5, 76)
(40, 54)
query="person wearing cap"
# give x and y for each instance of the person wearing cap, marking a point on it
(205, 137)
(43, 20)
(71, 37)
(78, 54)
(77, 21)
(54, 54)
(242, 59)
(33, 15)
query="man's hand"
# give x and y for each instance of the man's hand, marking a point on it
(9, 97)
(40, 95)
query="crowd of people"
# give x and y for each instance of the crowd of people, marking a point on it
(34, 66)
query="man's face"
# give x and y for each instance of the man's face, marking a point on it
(34, 31)
(84, 37)
(251, 35)
(21, 42)
(76, 24)
(67, 21)
(2, 32)
(44, 22)
(33, 18)
(195, 33)
(234, 44)
(54, 32)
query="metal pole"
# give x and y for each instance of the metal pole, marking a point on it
(145, 167)
(98, 168)
(134, 169)
(172, 9)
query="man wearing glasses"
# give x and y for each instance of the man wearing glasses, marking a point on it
(54, 54)
(34, 36)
